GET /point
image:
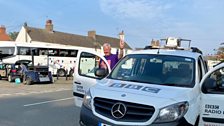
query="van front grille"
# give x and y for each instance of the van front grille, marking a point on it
(134, 112)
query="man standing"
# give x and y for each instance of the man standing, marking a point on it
(112, 59)
(22, 71)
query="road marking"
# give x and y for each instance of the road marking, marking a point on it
(45, 102)
(34, 92)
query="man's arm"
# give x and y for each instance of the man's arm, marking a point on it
(121, 54)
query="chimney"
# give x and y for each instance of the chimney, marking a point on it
(49, 26)
(2, 29)
(92, 34)
(3, 34)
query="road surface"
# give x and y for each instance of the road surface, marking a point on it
(54, 108)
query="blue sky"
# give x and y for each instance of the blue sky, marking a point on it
(202, 21)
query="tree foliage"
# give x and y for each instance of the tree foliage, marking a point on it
(220, 50)
(220, 53)
(13, 35)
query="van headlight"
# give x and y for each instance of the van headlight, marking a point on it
(172, 112)
(87, 100)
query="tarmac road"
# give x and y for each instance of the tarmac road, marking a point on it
(38, 106)
(45, 109)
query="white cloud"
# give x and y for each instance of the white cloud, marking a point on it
(199, 20)
(141, 9)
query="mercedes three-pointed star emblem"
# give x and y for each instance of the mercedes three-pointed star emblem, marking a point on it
(118, 110)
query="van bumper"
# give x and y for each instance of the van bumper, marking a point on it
(87, 118)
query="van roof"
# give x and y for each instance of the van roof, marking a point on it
(173, 52)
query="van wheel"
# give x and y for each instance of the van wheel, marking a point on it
(10, 78)
(61, 73)
(28, 81)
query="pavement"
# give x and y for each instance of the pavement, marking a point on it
(12, 89)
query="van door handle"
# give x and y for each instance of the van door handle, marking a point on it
(77, 83)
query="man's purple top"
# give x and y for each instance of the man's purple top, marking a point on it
(112, 59)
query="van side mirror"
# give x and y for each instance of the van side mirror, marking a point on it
(101, 72)
(209, 83)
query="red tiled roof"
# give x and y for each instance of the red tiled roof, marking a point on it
(4, 37)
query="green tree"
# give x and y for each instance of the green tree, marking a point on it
(13, 35)
(220, 53)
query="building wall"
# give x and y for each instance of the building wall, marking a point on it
(61, 45)
(114, 51)
(23, 36)
(211, 63)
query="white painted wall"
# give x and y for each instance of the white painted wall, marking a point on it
(23, 36)
(211, 63)
(114, 51)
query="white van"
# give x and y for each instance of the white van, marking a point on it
(159, 87)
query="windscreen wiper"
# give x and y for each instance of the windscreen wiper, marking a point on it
(140, 81)
(133, 80)
(169, 84)
(172, 84)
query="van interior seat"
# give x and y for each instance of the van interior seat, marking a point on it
(153, 72)
(181, 75)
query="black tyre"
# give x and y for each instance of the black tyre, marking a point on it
(28, 81)
(61, 73)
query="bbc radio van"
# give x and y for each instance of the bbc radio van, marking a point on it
(158, 86)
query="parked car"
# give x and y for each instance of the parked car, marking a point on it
(38, 74)
(3, 70)
(35, 74)
(14, 70)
